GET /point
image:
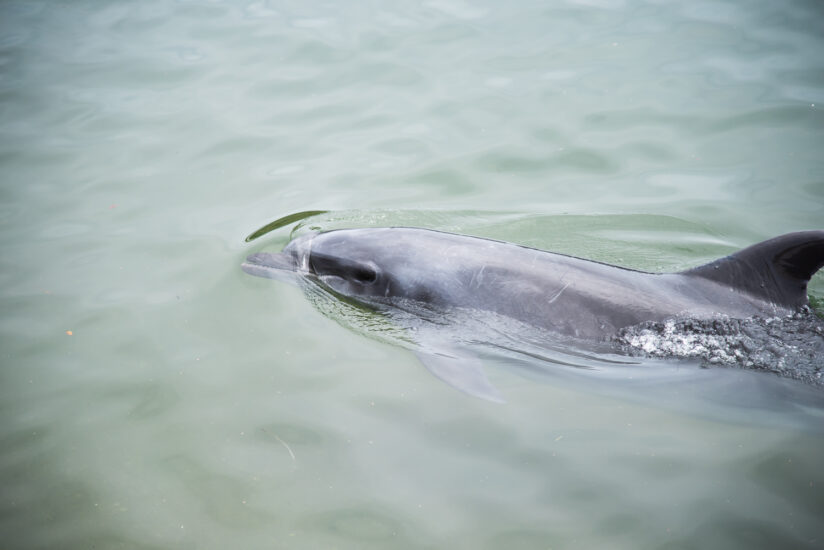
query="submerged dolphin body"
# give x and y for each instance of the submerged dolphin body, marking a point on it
(573, 298)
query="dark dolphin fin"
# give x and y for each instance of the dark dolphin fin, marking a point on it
(459, 371)
(776, 270)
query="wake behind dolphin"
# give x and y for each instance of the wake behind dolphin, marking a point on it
(435, 280)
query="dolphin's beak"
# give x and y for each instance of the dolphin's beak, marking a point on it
(271, 266)
(294, 259)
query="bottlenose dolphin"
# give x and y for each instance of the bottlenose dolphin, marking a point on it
(584, 300)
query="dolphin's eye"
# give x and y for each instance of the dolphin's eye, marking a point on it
(365, 274)
(324, 265)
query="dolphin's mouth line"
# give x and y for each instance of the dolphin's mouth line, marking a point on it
(278, 262)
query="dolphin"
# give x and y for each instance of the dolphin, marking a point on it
(569, 297)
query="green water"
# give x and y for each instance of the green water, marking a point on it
(193, 406)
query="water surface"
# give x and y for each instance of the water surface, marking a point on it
(154, 396)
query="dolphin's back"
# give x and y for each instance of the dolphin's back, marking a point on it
(593, 300)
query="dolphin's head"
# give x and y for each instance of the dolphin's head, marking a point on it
(364, 264)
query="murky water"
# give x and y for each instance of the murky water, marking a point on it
(154, 396)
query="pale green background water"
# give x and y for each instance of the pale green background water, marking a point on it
(196, 407)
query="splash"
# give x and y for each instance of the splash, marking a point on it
(791, 347)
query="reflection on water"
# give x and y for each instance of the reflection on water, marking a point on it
(154, 396)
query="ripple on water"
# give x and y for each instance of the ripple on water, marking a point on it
(354, 524)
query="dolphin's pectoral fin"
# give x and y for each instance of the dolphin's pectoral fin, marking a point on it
(461, 372)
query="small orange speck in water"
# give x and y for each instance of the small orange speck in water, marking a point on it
(69, 332)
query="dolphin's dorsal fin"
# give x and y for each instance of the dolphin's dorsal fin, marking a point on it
(776, 270)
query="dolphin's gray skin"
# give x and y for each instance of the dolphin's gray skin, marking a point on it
(568, 296)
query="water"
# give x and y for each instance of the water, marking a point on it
(192, 406)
